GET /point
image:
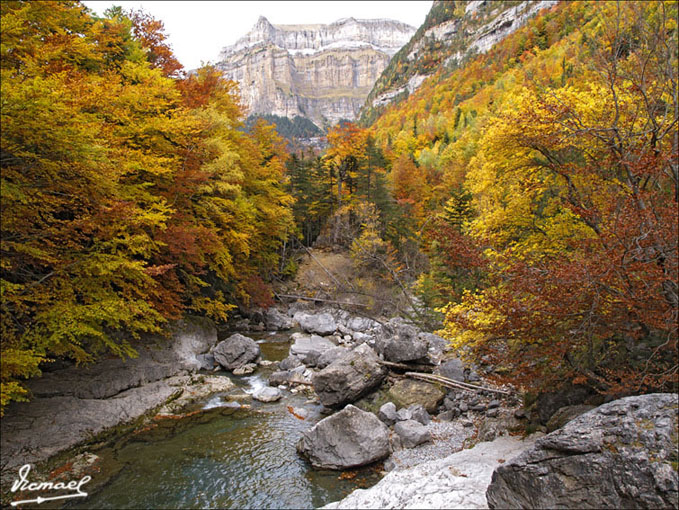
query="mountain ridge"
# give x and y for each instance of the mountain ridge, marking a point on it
(322, 72)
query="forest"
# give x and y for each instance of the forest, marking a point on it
(526, 201)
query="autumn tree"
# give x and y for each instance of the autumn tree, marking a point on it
(576, 194)
(129, 197)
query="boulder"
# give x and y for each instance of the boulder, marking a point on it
(321, 324)
(349, 378)
(419, 414)
(280, 377)
(412, 433)
(267, 394)
(435, 346)
(409, 391)
(347, 439)
(303, 344)
(401, 342)
(566, 414)
(275, 320)
(361, 324)
(387, 413)
(236, 351)
(452, 369)
(290, 362)
(330, 355)
(618, 455)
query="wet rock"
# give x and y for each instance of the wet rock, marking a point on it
(479, 408)
(349, 378)
(419, 414)
(412, 433)
(566, 414)
(236, 351)
(349, 438)
(276, 321)
(321, 324)
(401, 342)
(617, 456)
(409, 391)
(387, 413)
(267, 394)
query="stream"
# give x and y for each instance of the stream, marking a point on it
(228, 458)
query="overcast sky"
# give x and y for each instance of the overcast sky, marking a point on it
(199, 30)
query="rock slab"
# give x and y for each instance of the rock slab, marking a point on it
(618, 455)
(456, 481)
(349, 438)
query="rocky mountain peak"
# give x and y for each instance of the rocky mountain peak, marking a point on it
(320, 71)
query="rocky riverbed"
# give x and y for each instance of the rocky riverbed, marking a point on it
(338, 384)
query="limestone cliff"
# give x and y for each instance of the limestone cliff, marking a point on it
(322, 72)
(452, 32)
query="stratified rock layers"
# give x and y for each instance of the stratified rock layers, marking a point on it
(322, 72)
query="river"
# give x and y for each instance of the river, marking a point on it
(227, 458)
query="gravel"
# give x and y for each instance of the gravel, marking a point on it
(447, 438)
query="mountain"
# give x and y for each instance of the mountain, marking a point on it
(321, 72)
(452, 33)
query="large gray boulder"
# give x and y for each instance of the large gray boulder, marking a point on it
(350, 377)
(236, 351)
(304, 344)
(349, 438)
(401, 342)
(321, 324)
(618, 455)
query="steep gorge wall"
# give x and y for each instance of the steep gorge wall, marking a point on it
(452, 32)
(322, 72)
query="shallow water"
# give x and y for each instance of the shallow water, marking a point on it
(246, 459)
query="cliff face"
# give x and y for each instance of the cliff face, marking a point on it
(322, 72)
(452, 32)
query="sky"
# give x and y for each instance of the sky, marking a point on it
(198, 30)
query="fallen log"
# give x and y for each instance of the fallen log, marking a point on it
(403, 366)
(450, 383)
